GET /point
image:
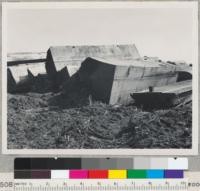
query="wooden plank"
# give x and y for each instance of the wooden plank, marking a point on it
(176, 88)
(165, 96)
(13, 63)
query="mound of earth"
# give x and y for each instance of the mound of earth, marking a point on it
(38, 121)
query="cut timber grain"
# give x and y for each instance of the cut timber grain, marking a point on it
(112, 81)
(70, 57)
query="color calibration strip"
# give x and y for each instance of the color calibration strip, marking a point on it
(98, 174)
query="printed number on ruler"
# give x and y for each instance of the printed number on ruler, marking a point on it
(101, 185)
(6, 182)
(193, 180)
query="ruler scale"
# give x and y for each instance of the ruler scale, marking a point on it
(101, 185)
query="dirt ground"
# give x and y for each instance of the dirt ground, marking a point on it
(39, 121)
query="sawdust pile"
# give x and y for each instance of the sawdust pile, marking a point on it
(38, 121)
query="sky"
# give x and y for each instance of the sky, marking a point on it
(167, 33)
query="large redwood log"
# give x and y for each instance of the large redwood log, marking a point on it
(112, 81)
(71, 56)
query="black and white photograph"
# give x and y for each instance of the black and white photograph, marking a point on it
(98, 78)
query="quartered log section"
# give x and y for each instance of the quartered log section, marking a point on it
(112, 80)
(61, 62)
(59, 57)
(20, 74)
(71, 57)
(22, 68)
(110, 73)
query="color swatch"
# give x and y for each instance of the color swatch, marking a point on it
(152, 163)
(155, 173)
(78, 174)
(98, 174)
(117, 174)
(137, 174)
(174, 174)
(58, 174)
